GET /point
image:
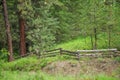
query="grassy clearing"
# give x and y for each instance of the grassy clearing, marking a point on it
(17, 75)
(85, 43)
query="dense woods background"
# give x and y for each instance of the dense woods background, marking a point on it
(38, 25)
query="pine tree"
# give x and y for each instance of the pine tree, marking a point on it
(8, 32)
(43, 28)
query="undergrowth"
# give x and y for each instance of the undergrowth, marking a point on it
(30, 69)
(31, 63)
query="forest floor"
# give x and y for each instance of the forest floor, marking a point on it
(61, 68)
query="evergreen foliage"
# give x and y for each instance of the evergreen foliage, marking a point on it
(42, 30)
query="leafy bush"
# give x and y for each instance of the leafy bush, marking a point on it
(24, 64)
(3, 54)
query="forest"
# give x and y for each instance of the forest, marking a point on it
(34, 26)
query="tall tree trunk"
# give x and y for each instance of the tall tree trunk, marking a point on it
(110, 26)
(8, 32)
(92, 44)
(109, 37)
(22, 36)
(95, 38)
(85, 33)
(95, 29)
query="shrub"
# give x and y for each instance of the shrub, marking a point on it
(24, 64)
(3, 54)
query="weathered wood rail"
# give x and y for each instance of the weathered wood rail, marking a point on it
(97, 50)
(51, 53)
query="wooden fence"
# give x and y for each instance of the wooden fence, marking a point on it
(51, 53)
(80, 53)
(99, 53)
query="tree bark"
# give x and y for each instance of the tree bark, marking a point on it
(22, 36)
(8, 32)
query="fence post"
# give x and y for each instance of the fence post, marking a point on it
(60, 51)
(78, 55)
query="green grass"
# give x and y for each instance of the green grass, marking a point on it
(85, 43)
(31, 63)
(18, 75)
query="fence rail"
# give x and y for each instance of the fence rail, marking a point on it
(99, 50)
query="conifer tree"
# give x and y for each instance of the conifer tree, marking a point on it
(8, 31)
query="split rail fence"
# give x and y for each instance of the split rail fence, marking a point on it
(82, 53)
(79, 53)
